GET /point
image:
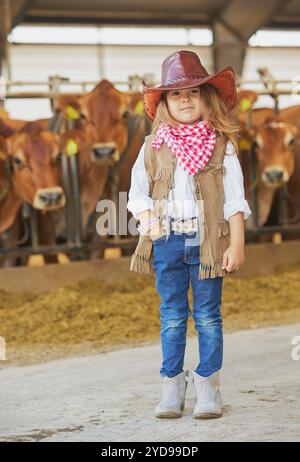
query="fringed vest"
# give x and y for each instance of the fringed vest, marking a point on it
(209, 196)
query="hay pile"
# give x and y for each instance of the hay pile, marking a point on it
(92, 316)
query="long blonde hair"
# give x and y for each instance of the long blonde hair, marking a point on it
(215, 112)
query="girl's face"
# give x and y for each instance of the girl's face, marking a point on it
(185, 105)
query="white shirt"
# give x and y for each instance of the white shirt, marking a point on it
(233, 181)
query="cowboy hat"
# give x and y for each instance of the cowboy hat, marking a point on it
(183, 69)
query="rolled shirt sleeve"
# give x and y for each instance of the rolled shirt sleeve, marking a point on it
(233, 181)
(138, 196)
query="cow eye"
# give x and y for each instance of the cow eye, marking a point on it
(126, 115)
(291, 142)
(17, 161)
(255, 145)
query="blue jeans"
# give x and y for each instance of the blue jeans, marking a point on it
(176, 264)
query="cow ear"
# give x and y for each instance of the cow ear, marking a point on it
(84, 112)
(246, 100)
(5, 130)
(136, 105)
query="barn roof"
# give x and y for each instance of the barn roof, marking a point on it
(269, 13)
(233, 21)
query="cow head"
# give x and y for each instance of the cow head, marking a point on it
(274, 149)
(109, 109)
(33, 155)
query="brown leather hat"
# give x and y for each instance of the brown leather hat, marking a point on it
(183, 69)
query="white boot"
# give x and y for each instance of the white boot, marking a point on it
(209, 401)
(174, 389)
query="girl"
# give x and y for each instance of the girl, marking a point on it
(187, 194)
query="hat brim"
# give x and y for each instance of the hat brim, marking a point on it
(223, 80)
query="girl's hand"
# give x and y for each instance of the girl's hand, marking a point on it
(155, 232)
(233, 257)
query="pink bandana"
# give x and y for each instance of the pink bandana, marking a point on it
(192, 144)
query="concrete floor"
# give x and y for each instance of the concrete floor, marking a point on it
(111, 396)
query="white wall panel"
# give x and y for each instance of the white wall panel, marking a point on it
(90, 62)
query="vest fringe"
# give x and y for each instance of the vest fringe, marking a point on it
(151, 174)
(141, 261)
(164, 174)
(140, 264)
(209, 271)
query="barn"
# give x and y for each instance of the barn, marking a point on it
(129, 131)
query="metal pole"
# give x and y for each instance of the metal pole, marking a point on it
(5, 25)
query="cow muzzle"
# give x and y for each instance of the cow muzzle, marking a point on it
(275, 177)
(49, 198)
(105, 154)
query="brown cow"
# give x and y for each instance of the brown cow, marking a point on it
(32, 159)
(289, 116)
(33, 154)
(275, 149)
(92, 177)
(9, 126)
(292, 115)
(109, 109)
(10, 201)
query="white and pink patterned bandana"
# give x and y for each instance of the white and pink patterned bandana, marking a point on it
(192, 144)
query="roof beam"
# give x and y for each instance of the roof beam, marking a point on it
(19, 10)
(115, 17)
(233, 26)
(5, 27)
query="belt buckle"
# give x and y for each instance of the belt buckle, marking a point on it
(191, 226)
(177, 225)
(183, 225)
(188, 227)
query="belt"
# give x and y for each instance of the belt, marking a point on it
(181, 225)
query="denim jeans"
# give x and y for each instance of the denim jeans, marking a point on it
(176, 264)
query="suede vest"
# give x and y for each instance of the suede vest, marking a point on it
(209, 196)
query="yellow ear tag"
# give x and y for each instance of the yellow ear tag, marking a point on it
(244, 144)
(139, 108)
(245, 105)
(71, 148)
(71, 112)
